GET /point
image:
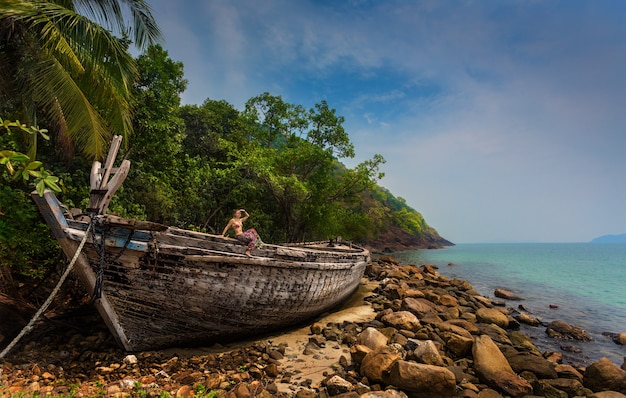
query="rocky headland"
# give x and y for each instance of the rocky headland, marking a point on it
(408, 332)
(395, 239)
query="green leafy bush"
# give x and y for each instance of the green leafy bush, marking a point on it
(20, 166)
(25, 242)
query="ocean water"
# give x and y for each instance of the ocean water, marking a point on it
(586, 281)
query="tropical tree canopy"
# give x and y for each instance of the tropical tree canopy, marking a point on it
(62, 65)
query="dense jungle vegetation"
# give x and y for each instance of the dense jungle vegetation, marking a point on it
(192, 165)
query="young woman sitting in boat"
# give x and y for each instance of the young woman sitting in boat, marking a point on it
(248, 237)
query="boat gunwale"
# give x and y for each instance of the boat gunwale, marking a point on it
(145, 237)
(215, 256)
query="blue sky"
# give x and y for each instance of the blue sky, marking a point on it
(501, 121)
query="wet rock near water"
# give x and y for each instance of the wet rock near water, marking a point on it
(430, 336)
(562, 330)
(618, 338)
(506, 294)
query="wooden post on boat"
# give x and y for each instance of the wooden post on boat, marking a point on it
(103, 189)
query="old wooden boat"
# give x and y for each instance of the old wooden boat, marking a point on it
(158, 286)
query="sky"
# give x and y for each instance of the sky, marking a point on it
(500, 121)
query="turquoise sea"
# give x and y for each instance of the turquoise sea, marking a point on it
(587, 281)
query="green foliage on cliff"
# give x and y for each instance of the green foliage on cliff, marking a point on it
(385, 214)
(401, 214)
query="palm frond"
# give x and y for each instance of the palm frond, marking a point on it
(72, 68)
(144, 28)
(41, 19)
(54, 87)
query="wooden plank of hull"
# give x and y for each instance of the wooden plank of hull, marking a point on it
(200, 287)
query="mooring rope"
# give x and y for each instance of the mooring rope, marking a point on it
(98, 244)
(47, 303)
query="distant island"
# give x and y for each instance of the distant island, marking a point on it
(610, 239)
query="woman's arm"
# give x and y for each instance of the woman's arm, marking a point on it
(246, 215)
(227, 226)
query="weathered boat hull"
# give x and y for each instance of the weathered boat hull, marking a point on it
(171, 287)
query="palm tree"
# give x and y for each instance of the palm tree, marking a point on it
(61, 62)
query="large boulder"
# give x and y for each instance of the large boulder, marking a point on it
(372, 338)
(412, 292)
(572, 387)
(538, 365)
(448, 301)
(506, 294)
(337, 385)
(464, 324)
(605, 375)
(543, 389)
(458, 346)
(494, 370)
(402, 320)
(618, 338)
(568, 372)
(607, 394)
(527, 319)
(461, 285)
(422, 380)
(358, 352)
(392, 393)
(497, 334)
(562, 330)
(492, 315)
(389, 259)
(427, 353)
(418, 306)
(453, 327)
(523, 343)
(377, 363)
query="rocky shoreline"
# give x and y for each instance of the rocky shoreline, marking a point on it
(408, 332)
